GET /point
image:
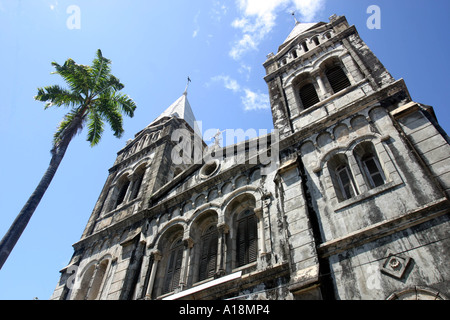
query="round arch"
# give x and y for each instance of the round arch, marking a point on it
(417, 293)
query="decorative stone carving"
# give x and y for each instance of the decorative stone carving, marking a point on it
(395, 265)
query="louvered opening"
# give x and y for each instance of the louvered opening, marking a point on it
(337, 79)
(173, 273)
(208, 258)
(246, 246)
(308, 95)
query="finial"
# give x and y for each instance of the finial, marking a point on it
(187, 86)
(295, 18)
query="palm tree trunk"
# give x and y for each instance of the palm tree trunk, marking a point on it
(18, 226)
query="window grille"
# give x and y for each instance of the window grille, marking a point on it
(208, 256)
(246, 246)
(308, 95)
(173, 274)
(337, 79)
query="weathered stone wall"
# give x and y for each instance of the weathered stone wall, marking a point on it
(366, 272)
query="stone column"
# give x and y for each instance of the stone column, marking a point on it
(223, 230)
(323, 94)
(156, 259)
(188, 244)
(261, 240)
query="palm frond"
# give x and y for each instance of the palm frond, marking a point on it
(101, 71)
(95, 127)
(77, 76)
(57, 96)
(125, 103)
(93, 96)
(109, 111)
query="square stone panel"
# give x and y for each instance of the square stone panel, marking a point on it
(395, 265)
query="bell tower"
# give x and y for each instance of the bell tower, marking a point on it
(143, 166)
(318, 70)
(370, 160)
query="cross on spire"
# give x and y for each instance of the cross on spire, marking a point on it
(187, 85)
(295, 18)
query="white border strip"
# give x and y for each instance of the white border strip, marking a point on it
(204, 286)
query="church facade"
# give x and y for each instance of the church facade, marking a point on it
(348, 198)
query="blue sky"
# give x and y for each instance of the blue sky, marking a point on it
(154, 46)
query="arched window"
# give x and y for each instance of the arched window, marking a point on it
(123, 188)
(173, 269)
(247, 238)
(370, 165)
(208, 253)
(337, 79)
(345, 181)
(84, 285)
(316, 41)
(137, 183)
(342, 177)
(92, 281)
(305, 46)
(294, 54)
(100, 273)
(308, 95)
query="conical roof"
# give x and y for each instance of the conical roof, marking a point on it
(298, 30)
(180, 109)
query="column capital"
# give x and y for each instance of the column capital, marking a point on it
(223, 228)
(258, 212)
(188, 242)
(156, 255)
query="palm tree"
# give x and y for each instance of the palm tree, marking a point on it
(93, 97)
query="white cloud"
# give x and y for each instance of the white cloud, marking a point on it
(218, 11)
(250, 100)
(197, 26)
(248, 42)
(53, 5)
(259, 18)
(308, 9)
(255, 100)
(228, 82)
(245, 70)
